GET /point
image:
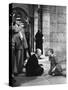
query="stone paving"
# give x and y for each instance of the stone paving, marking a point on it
(45, 79)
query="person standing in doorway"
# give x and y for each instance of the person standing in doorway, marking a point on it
(19, 43)
(39, 39)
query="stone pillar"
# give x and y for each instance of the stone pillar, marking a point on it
(40, 20)
(31, 13)
(46, 28)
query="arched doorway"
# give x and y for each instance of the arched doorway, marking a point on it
(18, 12)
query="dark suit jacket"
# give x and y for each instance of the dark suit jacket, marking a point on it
(32, 64)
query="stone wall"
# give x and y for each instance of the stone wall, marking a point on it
(53, 29)
(58, 30)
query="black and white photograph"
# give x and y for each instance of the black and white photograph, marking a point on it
(37, 44)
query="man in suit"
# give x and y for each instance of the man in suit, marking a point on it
(32, 66)
(19, 43)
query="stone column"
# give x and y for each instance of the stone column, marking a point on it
(40, 20)
(46, 28)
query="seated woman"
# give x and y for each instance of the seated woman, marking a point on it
(55, 68)
(32, 66)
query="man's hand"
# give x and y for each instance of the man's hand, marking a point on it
(27, 55)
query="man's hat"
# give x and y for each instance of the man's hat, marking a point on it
(22, 21)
